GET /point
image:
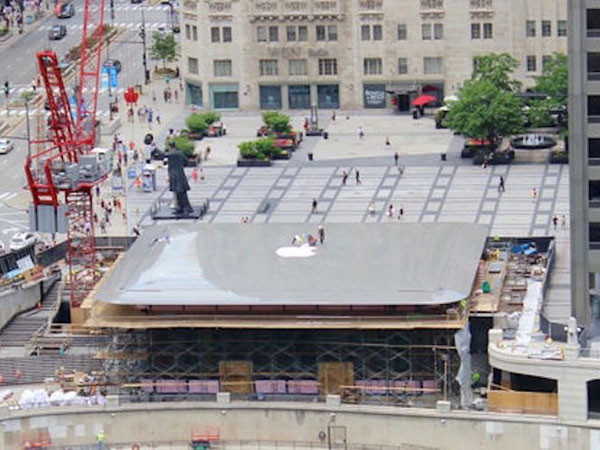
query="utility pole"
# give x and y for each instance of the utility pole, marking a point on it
(109, 68)
(28, 127)
(6, 93)
(143, 36)
(112, 12)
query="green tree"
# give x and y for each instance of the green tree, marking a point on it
(553, 82)
(497, 69)
(211, 117)
(27, 96)
(277, 121)
(163, 47)
(484, 111)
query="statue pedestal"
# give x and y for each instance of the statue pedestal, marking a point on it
(165, 212)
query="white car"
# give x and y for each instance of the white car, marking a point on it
(6, 146)
(22, 240)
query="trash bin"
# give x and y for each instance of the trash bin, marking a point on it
(443, 156)
(485, 287)
(415, 114)
(310, 156)
(325, 135)
(149, 178)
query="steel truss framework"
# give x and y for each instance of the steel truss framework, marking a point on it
(287, 354)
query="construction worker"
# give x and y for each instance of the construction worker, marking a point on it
(100, 437)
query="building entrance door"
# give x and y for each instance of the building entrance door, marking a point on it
(403, 102)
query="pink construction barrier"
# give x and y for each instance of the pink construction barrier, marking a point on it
(147, 385)
(171, 387)
(269, 386)
(203, 386)
(429, 384)
(308, 387)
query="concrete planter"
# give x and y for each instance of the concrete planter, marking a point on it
(253, 162)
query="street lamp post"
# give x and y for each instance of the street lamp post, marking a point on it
(28, 128)
(143, 36)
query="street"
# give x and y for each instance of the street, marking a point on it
(20, 68)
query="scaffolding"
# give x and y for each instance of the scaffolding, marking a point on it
(395, 360)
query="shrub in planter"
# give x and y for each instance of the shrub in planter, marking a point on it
(196, 123)
(183, 144)
(276, 121)
(559, 157)
(211, 117)
(267, 147)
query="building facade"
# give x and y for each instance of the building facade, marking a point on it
(584, 159)
(354, 54)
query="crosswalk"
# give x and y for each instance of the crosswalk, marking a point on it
(5, 196)
(17, 90)
(128, 25)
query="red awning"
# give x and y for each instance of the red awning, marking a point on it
(422, 100)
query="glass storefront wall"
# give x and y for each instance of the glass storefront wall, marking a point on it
(374, 95)
(299, 96)
(193, 94)
(224, 96)
(328, 96)
(270, 97)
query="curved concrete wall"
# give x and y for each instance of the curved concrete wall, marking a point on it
(300, 422)
(16, 300)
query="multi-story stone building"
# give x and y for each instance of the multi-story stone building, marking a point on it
(352, 54)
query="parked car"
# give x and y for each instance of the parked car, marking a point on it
(113, 63)
(64, 10)
(22, 240)
(6, 145)
(57, 32)
(136, 1)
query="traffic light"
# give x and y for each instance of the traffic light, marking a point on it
(6, 88)
(142, 32)
(144, 59)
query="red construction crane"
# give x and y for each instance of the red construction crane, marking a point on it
(66, 165)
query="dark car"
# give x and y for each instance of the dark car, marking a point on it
(57, 32)
(136, 1)
(113, 63)
(65, 10)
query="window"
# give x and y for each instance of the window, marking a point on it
(593, 102)
(475, 31)
(328, 66)
(320, 29)
(530, 28)
(593, 66)
(261, 34)
(222, 67)
(270, 97)
(594, 153)
(561, 28)
(215, 34)
(432, 65)
(193, 65)
(328, 96)
(365, 33)
(488, 31)
(188, 33)
(531, 63)
(227, 35)
(401, 32)
(402, 66)
(545, 61)
(194, 33)
(273, 34)
(268, 67)
(546, 28)
(426, 31)
(302, 33)
(291, 34)
(377, 32)
(431, 31)
(299, 96)
(372, 66)
(332, 32)
(298, 67)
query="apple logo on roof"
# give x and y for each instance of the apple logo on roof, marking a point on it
(303, 251)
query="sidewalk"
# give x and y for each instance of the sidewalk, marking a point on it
(27, 28)
(134, 132)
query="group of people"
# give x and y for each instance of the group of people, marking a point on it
(309, 238)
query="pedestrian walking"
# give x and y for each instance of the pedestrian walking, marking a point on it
(388, 144)
(195, 174)
(501, 184)
(396, 157)
(361, 132)
(344, 177)
(315, 203)
(321, 231)
(97, 191)
(555, 222)
(154, 98)
(207, 153)
(333, 116)
(176, 94)
(371, 208)
(401, 213)
(390, 212)
(103, 226)
(357, 173)
(534, 194)
(563, 222)
(157, 117)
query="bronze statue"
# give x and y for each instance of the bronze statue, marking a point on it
(178, 182)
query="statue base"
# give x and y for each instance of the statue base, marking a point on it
(165, 212)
